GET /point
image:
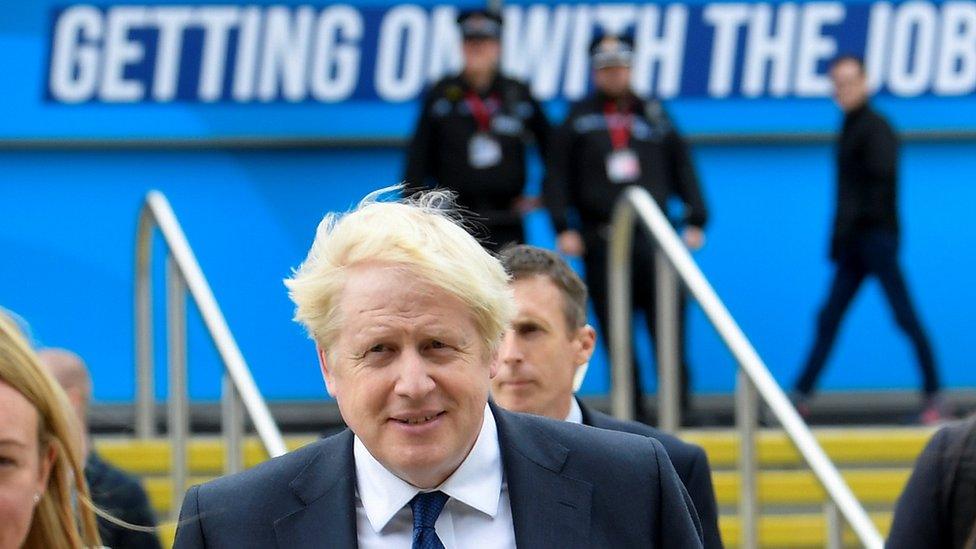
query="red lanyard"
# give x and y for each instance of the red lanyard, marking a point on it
(618, 124)
(482, 110)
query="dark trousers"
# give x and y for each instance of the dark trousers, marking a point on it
(643, 299)
(874, 253)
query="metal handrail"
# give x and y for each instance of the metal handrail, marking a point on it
(753, 378)
(183, 274)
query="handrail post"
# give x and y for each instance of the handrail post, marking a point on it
(178, 409)
(666, 342)
(232, 426)
(746, 420)
(639, 203)
(835, 526)
(145, 420)
(618, 291)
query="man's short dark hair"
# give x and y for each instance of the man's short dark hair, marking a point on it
(848, 57)
(524, 261)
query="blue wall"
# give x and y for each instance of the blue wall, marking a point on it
(67, 220)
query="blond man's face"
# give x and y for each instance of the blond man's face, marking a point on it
(410, 372)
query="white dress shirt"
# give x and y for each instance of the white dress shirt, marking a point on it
(478, 513)
(575, 414)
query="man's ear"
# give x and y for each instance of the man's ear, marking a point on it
(326, 370)
(585, 344)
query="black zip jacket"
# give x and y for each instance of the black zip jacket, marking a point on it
(867, 172)
(438, 153)
(577, 173)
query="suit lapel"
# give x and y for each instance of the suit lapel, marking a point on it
(548, 509)
(326, 489)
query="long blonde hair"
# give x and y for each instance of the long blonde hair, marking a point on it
(58, 523)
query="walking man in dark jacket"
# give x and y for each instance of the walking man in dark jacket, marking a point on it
(865, 235)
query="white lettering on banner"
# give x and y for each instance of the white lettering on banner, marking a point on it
(130, 53)
(285, 53)
(614, 18)
(727, 20)
(772, 43)
(956, 70)
(74, 59)
(876, 54)
(217, 22)
(445, 43)
(664, 51)
(814, 47)
(578, 57)
(245, 67)
(912, 48)
(120, 52)
(171, 21)
(403, 32)
(329, 53)
(534, 45)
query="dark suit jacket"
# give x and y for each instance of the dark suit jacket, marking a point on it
(936, 508)
(689, 461)
(121, 495)
(569, 486)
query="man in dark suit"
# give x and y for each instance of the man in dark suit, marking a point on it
(543, 355)
(407, 311)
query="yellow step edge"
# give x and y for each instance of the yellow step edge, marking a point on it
(205, 455)
(870, 486)
(794, 531)
(842, 445)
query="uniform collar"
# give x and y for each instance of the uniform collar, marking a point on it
(477, 482)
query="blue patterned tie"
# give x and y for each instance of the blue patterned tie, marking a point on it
(426, 507)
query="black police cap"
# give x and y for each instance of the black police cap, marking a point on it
(480, 24)
(611, 50)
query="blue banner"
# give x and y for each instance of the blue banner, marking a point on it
(194, 70)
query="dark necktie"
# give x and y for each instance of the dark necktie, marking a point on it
(426, 508)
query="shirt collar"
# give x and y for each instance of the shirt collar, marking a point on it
(477, 482)
(575, 414)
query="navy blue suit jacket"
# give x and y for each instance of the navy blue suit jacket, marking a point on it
(569, 486)
(689, 461)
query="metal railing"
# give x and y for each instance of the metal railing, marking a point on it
(183, 274)
(673, 261)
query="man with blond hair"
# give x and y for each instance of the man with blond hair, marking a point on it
(407, 312)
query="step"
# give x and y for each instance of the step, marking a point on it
(775, 531)
(794, 531)
(799, 487)
(880, 487)
(854, 446)
(871, 446)
(205, 454)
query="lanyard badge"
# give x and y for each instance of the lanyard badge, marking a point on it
(623, 165)
(484, 150)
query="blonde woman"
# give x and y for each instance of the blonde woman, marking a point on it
(41, 475)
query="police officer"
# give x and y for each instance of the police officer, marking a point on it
(609, 141)
(472, 133)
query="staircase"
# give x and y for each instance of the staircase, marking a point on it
(876, 463)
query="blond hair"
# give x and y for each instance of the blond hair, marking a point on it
(57, 523)
(418, 234)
